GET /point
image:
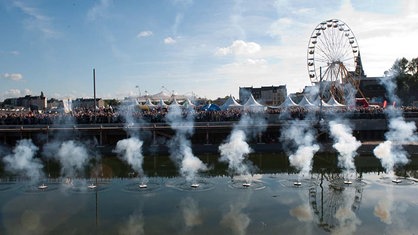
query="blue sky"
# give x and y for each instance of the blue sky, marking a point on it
(206, 47)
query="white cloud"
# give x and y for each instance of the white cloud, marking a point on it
(37, 20)
(144, 34)
(14, 93)
(13, 76)
(99, 10)
(169, 40)
(239, 47)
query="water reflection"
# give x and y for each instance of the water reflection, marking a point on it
(323, 203)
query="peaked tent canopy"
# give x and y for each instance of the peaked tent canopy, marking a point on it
(318, 102)
(188, 104)
(148, 104)
(333, 102)
(288, 102)
(305, 102)
(230, 103)
(253, 105)
(174, 103)
(161, 104)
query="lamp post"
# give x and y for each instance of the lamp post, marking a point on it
(139, 91)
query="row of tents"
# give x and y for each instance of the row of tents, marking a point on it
(251, 104)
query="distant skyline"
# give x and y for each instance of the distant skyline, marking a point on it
(206, 47)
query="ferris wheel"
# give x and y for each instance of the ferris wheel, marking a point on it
(333, 58)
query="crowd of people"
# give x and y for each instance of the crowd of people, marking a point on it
(135, 115)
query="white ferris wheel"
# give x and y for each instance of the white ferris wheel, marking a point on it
(333, 58)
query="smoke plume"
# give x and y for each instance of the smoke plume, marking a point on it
(346, 145)
(130, 150)
(391, 152)
(22, 160)
(302, 137)
(72, 155)
(235, 151)
(180, 145)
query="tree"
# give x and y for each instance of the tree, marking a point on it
(406, 77)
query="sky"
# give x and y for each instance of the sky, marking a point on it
(209, 48)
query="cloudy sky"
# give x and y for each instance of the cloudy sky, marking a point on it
(206, 47)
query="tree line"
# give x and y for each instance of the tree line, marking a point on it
(405, 75)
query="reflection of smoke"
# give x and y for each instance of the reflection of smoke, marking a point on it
(346, 145)
(347, 220)
(235, 151)
(134, 225)
(301, 135)
(235, 219)
(191, 212)
(383, 208)
(395, 213)
(130, 150)
(22, 160)
(302, 213)
(181, 151)
(400, 131)
(73, 156)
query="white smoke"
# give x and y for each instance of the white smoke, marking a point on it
(22, 160)
(301, 135)
(180, 145)
(130, 150)
(391, 152)
(346, 145)
(72, 155)
(236, 150)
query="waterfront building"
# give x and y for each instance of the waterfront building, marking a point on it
(88, 103)
(28, 101)
(266, 95)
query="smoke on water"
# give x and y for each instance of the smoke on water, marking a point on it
(72, 155)
(180, 145)
(131, 151)
(236, 150)
(23, 162)
(346, 145)
(302, 136)
(391, 152)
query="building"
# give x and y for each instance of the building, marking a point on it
(28, 101)
(266, 95)
(372, 89)
(87, 103)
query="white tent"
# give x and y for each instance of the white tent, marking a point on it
(288, 102)
(161, 96)
(188, 104)
(253, 105)
(161, 104)
(305, 102)
(174, 103)
(231, 103)
(148, 105)
(333, 102)
(318, 102)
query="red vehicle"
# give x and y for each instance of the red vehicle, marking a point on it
(362, 102)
